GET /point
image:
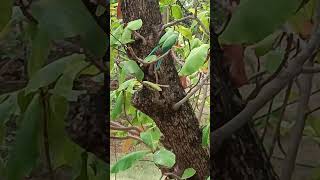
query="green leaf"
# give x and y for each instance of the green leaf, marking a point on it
(167, 2)
(195, 43)
(64, 85)
(50, 73)
(40, 47)
(5, 12)
(188, 173)
(143, 118)
(315, 124)
(150, 137)
(58, 139)
(95, 40)
(127, 32)
(7, 107)
(147, 138)
(204, 18)
(6, 30)
(127, 161)
(62, 19)
(131, 67)
(118, 106)
(264, 46)
(127, 84)
(254, 20)
(274, 59)
(176, 11)
(100, 169)
(195, 60)
(91, 70)
(24, 154)
(84, 171)
(116, 36)
(134, 25)
(24, 100)
(186, 32)
(126, 36)
(100, 10)
(164, 157)
(206, 135)
(153, 85)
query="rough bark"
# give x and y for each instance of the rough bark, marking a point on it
(180, 128)
(242, 156)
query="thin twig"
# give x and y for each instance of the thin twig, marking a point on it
(270, 90)
(282, 65)
(278, 108)
(204, 97)
(172, 174)
(203, 26)
(26, 13)
(133, 54)
(139, 36)
(158, 58)
(267, 120)
(200, 75)
(276, 135)
(297, 131)
(312, 111)
(176, 58)
(297, 163)
(309, 70)
(183, 100)
(127, 137)
(256, 75)
(172, 23)
(118, 125)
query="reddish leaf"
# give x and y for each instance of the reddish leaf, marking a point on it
(183, 80)
(233, 56)
(306, 30)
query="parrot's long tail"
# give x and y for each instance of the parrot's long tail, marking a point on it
(158, 64)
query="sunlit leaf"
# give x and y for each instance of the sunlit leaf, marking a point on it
(127, 161)
(164, 157)
(188, 173)
(25, 152)
(195, 60)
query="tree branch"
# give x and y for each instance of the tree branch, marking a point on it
(270, 90)
(311, 70)
(139, 36)
(277, 130)
(297, 131)
(178, 104)
(176, 22)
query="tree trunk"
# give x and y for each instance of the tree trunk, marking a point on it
(242, 156)
(180, 128)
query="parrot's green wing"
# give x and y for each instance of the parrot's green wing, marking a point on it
(169, 42)
(167, 45)
(154, 50)
(165, 36)
(162, 40)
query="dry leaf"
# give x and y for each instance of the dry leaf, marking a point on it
(233, 56)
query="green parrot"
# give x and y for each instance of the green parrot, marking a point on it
(166, 42)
